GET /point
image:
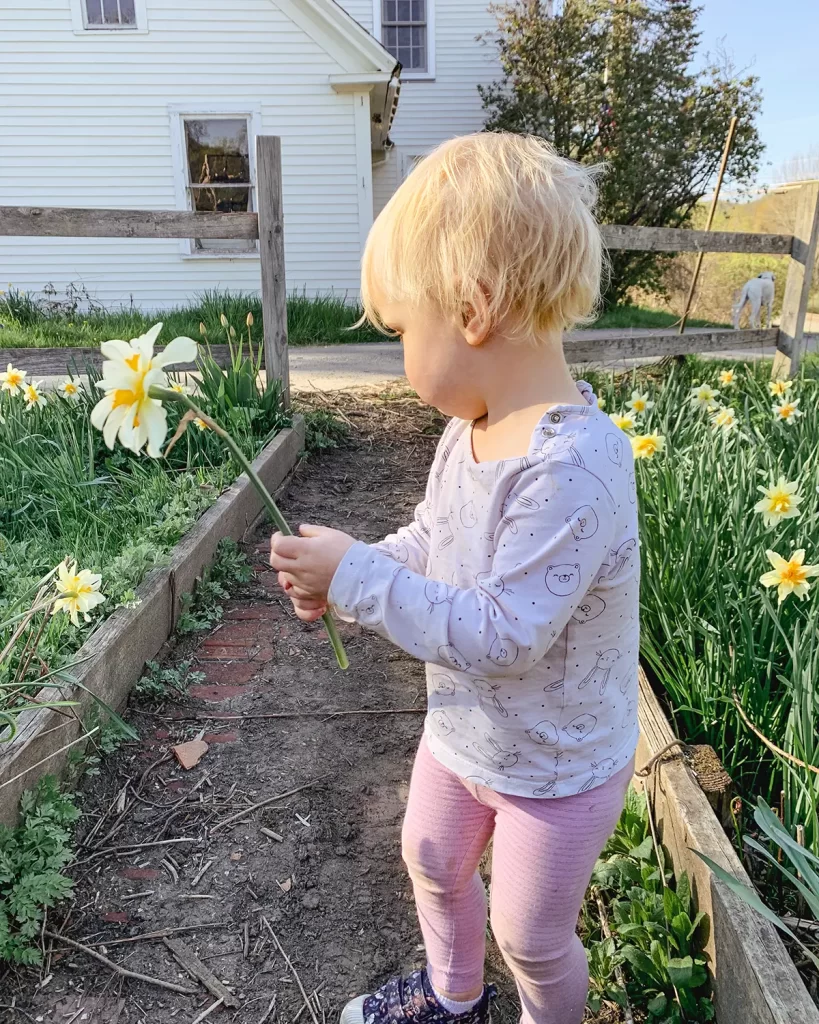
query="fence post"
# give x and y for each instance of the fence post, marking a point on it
(790, 342)
(271, 252)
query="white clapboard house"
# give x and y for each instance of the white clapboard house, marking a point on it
(155, 104)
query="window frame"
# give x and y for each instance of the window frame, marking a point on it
(407, 74)
(80, 26)
(178, 114)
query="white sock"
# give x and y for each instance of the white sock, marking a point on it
(452, 1004)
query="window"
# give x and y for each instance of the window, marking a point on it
(404, 32)
(218, 172)
(110, 14)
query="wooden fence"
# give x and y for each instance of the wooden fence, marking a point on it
(266, 226)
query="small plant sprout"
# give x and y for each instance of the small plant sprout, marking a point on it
(136, 387)
(623, 420)
(33, 396)
(77, 592)
(780, 501)
(12, 380)
(780, 388)
(787, 411)
(646, 446)
(789, 576)
(639, 403)
(704, 397)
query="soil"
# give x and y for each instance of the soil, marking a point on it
(314, 878)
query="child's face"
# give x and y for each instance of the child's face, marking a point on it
(440, 364)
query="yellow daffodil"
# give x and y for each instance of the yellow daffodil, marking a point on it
(639, 403)
(200, 423)
(787, 411)
(779, 388)
(70, 388)
(646, 446)
(727, 378)
(12, 380)
(789, 577)
(601, 403)
(130, 370)
(725, 418)
(704, 397)
(79, 592)
(781, 501)
(622, 420)
(32, 395)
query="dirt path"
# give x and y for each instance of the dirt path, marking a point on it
(332, 890)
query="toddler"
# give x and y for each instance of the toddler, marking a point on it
(517, 583)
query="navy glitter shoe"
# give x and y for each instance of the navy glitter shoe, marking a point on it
(401, 1000)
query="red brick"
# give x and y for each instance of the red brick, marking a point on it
(221, 737)
(263, 655)
(253, 611)
(116, 917)
(140, 874)
(216, 693)
(231, 672)
(162, 734)
(222, 652)
(240, 633)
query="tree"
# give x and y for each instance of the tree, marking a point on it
(613, 82)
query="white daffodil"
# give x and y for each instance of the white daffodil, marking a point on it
(70, 388)
(33, 396)
(78, 592)
(12, 380)
(130, 370)
(180, 389)
(704, 397)
(639, 403)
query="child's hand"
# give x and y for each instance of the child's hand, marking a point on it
(306, 566)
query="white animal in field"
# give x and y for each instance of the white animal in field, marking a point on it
(759, 291)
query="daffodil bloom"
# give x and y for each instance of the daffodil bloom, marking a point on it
(789, 577)
(727, 378)
(130, 370)
(704, 396)
(180, 389)
(622, 420)
(70, 388)
(200, 423)
(725, 418)
(787, 411)
(779, 388)
(781, 501)
(646, 446)
(33, 396)
(78, 592)
(12, 380)
(601, 403)
(639, 403)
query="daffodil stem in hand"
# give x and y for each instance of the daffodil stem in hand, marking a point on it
(282, 525)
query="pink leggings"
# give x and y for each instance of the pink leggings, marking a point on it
(542, 859)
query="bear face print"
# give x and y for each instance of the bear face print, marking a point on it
(488, 696)
(443, 684)
(441, 723)
(492, 583)
(544, 733)
(614, 448)
(580, 728)
(500, 758)
(562, 580)
(600, 672)
(436, 593)
(468, 515)
(583, 522)
(589, 608)
(452, 656)
(368, 611)
(560, 447)
(503, 651)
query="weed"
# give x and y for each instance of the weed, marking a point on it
(203, 609)
(160, 682)
(323, 431)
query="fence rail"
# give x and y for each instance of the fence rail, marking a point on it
(267, 227)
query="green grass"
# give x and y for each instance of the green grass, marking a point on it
(323, 320)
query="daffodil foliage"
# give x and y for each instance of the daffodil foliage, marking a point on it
(729, 516)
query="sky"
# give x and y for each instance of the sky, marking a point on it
(779, 39)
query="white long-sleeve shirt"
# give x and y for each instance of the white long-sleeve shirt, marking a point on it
(518, 585)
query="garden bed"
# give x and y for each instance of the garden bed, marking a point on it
(113, 657)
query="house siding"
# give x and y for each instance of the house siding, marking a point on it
(85, 122)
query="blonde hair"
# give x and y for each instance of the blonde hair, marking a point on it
(494, 211)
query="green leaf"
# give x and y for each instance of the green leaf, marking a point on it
(658, 1004)
(645, 851)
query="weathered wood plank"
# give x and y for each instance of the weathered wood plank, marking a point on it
(790, 341)
(271, 251)
(754, 979)
(66, 222)
(605, 346)
(620, 236)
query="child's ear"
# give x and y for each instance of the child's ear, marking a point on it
(477, 318)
